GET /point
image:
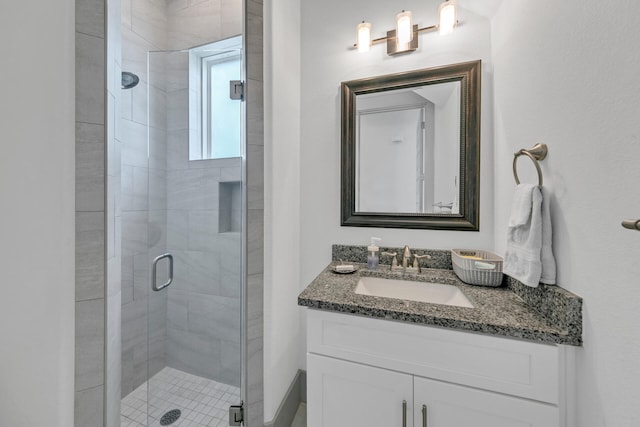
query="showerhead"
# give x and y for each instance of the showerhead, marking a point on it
(129, 80)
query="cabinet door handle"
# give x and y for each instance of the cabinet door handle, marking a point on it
(424, 415)
(404, 413)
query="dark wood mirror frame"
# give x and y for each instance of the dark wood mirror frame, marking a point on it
(469, 76)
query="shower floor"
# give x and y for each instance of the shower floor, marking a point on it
(203, 402)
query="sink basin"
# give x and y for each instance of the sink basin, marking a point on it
(434, 293)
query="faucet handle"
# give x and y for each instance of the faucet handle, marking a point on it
(394, 261)
(417, 258)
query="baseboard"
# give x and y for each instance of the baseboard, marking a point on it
(296, 393)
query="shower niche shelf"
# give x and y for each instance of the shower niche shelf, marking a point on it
(230, 207)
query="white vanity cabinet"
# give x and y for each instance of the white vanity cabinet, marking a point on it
(343, 393)
(370, 372)
(452, 405)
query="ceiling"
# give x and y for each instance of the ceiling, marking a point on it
(486, 8)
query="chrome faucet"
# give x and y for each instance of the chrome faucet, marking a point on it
(406, 265)
(406, 256)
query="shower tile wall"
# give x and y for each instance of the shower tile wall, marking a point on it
(143, 179)
(90, 214)
(204, 300)
(146, 24)
(113, 338)
(255, 212)
(166, 190)
(195, 22)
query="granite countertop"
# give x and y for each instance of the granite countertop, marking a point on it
(546, 314)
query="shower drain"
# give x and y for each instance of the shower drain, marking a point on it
(170, 417)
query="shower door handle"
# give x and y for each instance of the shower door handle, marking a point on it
(154, 286)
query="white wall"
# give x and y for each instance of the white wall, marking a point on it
(37, 216)
(566, 74)
(559, 79)
(328, 31)
(282, 317)
(307, 56)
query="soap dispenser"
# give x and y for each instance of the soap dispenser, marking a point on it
(372, 253)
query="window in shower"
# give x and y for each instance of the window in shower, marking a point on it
(212, 128)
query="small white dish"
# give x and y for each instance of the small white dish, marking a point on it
(344, 271)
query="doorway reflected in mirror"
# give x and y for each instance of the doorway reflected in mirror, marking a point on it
(396, 129)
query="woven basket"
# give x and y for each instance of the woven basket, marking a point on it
(477, 267)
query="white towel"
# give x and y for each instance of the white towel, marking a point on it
(529, 257)
(548, 276)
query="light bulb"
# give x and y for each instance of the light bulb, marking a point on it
(364, 37)
(448, 17)
(404, 27)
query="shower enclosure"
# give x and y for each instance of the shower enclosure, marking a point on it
(182, 191)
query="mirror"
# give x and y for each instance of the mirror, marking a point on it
(411, 149)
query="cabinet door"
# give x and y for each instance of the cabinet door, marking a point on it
(346, 394)
(451, 405)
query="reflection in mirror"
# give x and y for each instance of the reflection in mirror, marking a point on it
(410, 149)
(398, 129)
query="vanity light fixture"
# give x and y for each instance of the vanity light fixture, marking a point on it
(364, 37)
(448, 13)
(405, 36)
(404, 27)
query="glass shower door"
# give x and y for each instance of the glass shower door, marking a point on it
(195, 221)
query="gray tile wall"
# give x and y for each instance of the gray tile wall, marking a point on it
(196, 22)
(113, 311)
(204, 299)
(143, 186)
(255, 217)
(90, 213)
(204, 306)
(179, 198)
(97, 217)
(100, 220)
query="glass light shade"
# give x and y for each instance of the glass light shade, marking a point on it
(448, 17)
(364, 36)
(404, 27)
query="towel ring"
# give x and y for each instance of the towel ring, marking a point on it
(537, 153)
